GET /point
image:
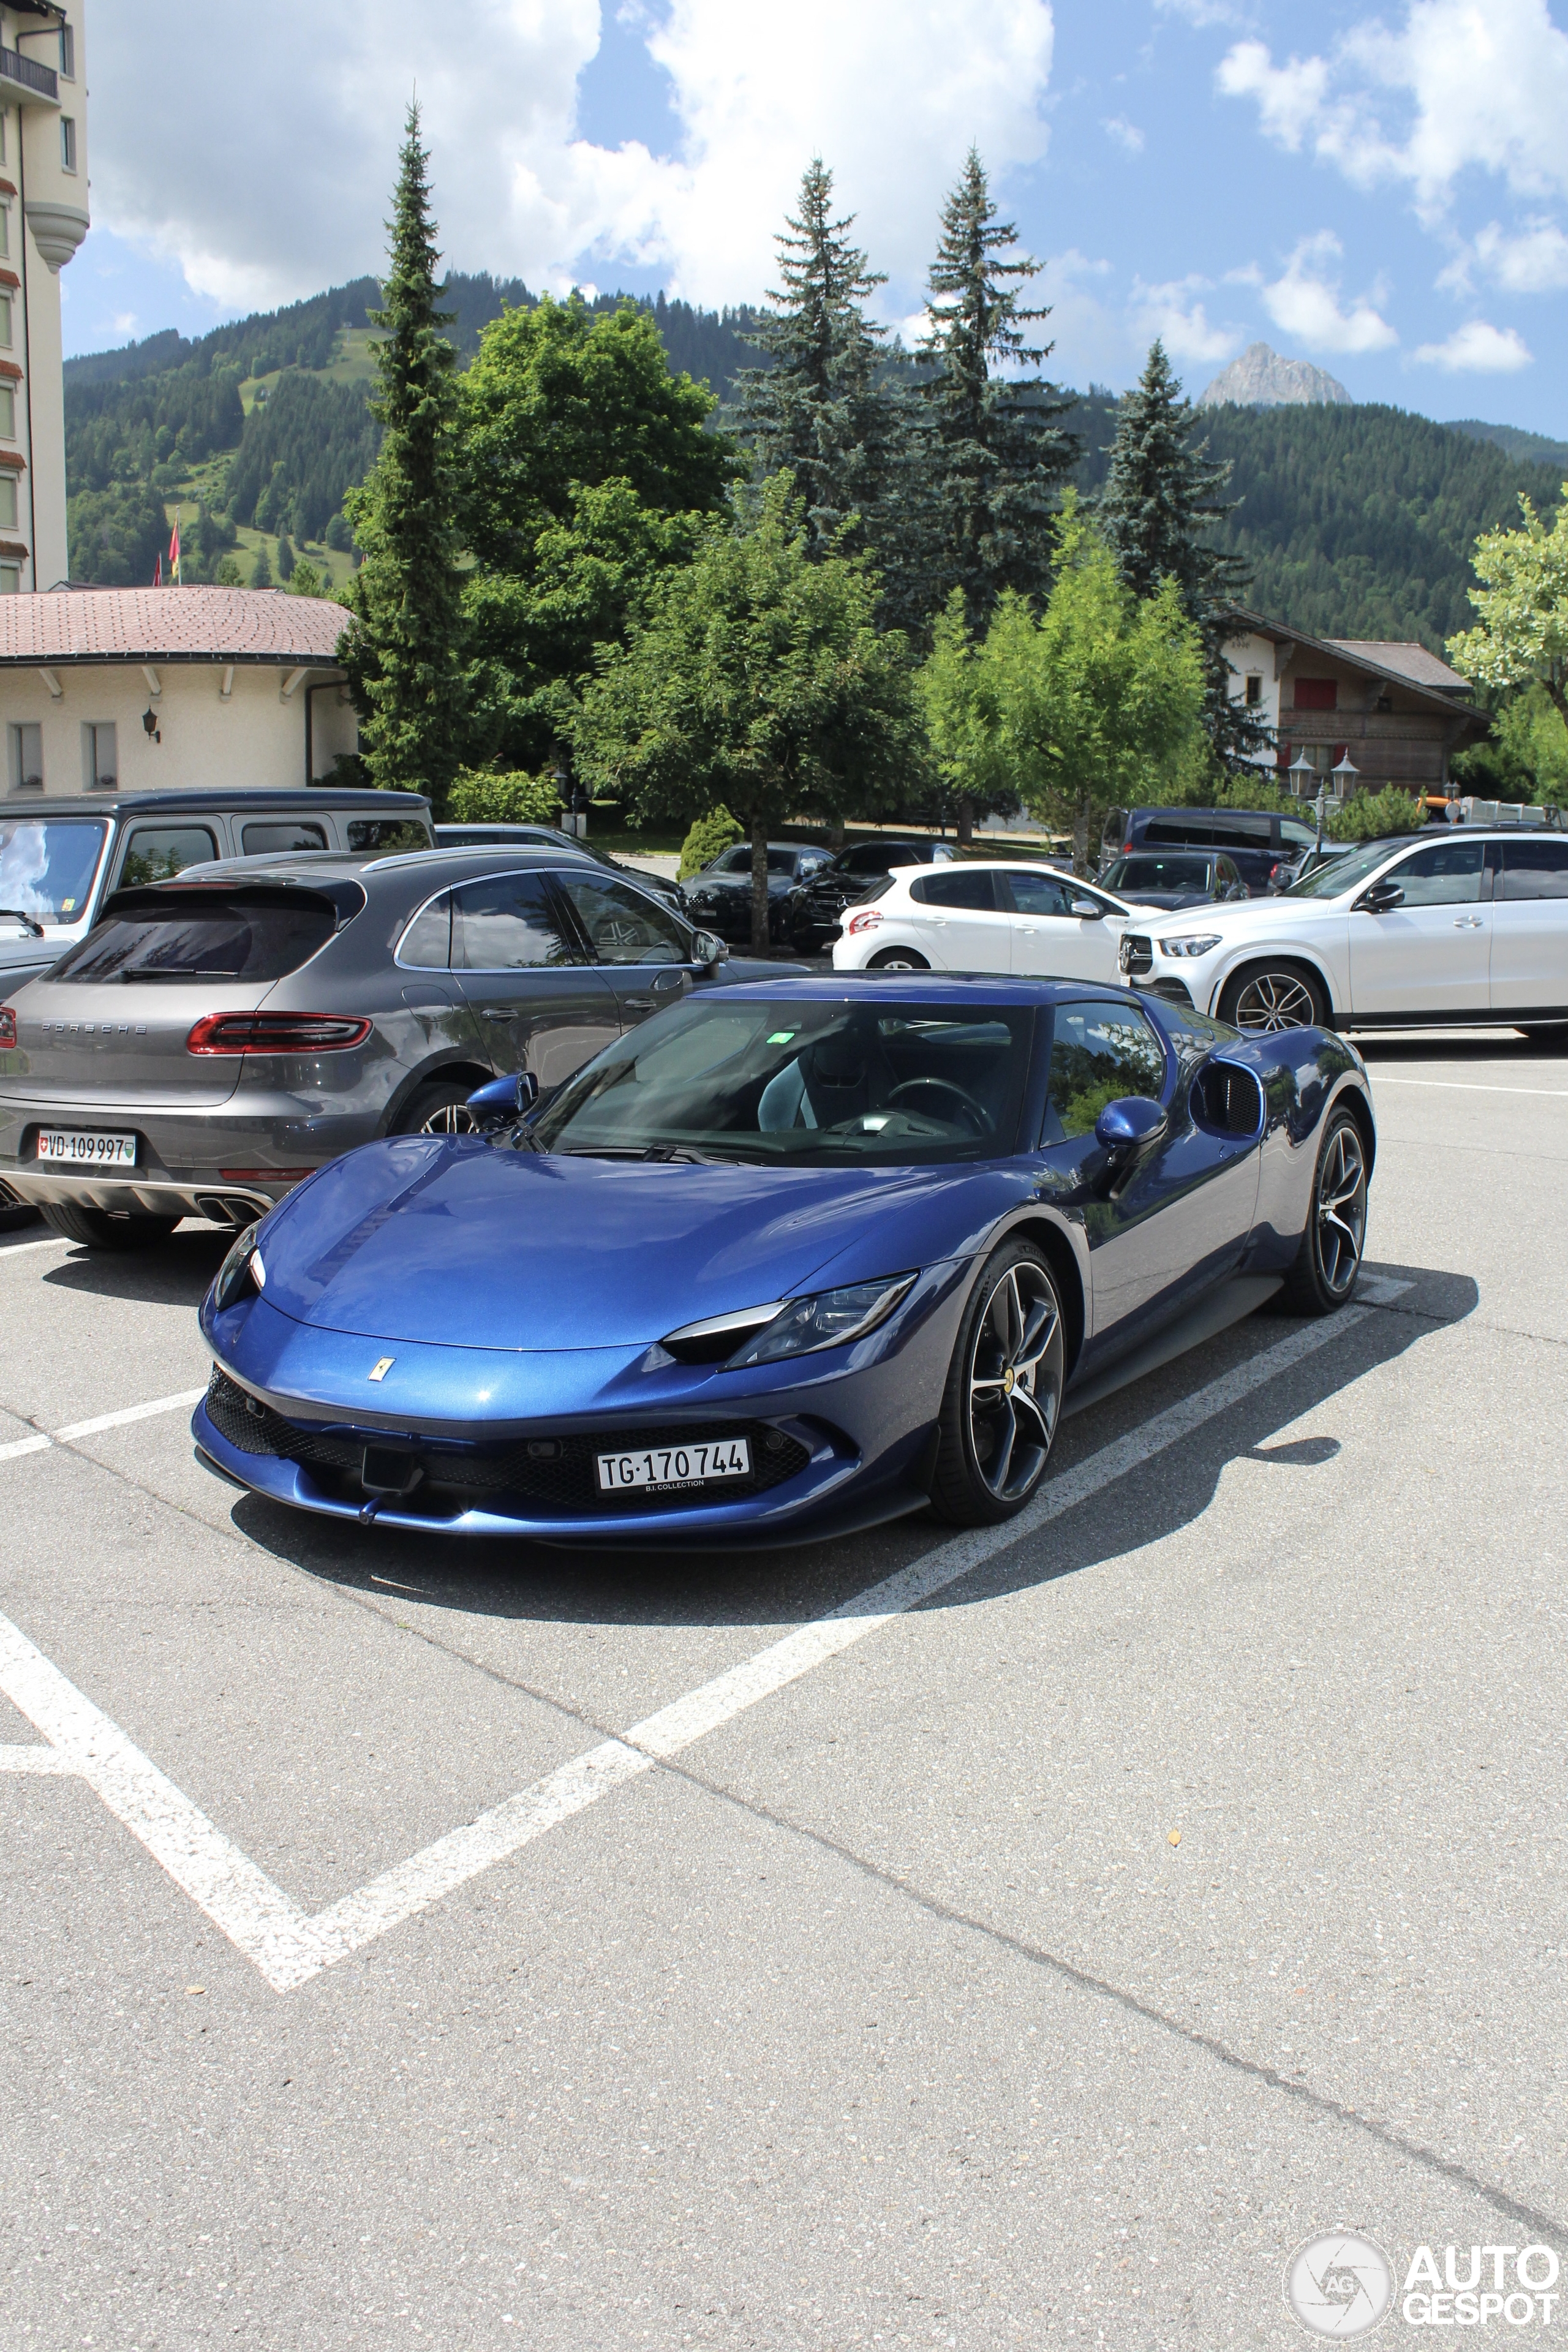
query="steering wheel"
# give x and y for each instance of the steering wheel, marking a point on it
(976, 1112)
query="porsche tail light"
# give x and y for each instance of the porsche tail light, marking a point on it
(275, 1033)
(867, 919)
(8, 1025)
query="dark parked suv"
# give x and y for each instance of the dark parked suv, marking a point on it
(214, 1040)
(812, 909)
(1256, 840)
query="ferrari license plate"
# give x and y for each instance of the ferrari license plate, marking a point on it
(75, 1148)
(704, 1463)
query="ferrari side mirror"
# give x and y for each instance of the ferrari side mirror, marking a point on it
(501, 1100)
(1130, 1123)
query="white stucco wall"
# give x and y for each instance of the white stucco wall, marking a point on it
(1256, 655)
(253, 740)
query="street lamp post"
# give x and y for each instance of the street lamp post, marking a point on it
(1302, 774)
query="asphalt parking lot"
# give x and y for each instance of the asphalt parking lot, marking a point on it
(919, 1940)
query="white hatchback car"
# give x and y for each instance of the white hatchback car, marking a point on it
(1454, 929)
(985, 916)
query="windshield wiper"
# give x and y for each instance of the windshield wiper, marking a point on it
(657, 1151)
(29, 923)
(153, 971)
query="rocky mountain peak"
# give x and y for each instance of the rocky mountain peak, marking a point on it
(1261, 379)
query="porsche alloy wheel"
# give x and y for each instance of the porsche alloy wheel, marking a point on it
(1330, 1259)
(1003, 1393)
(438, 1109)
(1266, 999)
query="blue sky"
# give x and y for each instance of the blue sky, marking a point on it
(1384, 195)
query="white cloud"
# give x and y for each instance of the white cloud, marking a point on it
(1531, 260)
(1173, 313)
(299, 199)
(1478, 349)
(1305, 303)
(1202, 13)
(1462, 85)
(1126, 134)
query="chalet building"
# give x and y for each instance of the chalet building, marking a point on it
(148, 689)
(1398, 712)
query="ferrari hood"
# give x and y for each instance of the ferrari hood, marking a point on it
(466, 1244)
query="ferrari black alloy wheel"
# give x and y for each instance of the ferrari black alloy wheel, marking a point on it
(1003, 1392)
(1324, 1272)
(1274, 996)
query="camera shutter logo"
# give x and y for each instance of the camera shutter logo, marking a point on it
(1340, 2285)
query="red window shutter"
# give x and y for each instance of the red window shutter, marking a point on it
(1317, 694)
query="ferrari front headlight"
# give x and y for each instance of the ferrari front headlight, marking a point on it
(831, 1319)
(240, 1272)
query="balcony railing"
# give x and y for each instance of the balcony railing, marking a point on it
(14, 67)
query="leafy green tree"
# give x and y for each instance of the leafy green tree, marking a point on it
(261, 570)
(818, 409)
(305, 581)
(285, 559)
(227, 573)
(1368, 816)
(404, 652)
(1158, 512)
(757, 679)
(481, 796)
(560, 399)
(117, 535)
(1521, 634)
(338, 535)
(984, 481)
(1083, 704)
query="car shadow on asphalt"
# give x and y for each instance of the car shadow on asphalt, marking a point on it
(776, 1590)
(173, 1273)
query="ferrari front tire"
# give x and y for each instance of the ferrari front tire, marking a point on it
(1002, 1398)
(1328, 1259)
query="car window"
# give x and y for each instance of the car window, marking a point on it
(1340, 876)
(156, 853)
(622, 925)
(1191, 1034)
(1039, 894)
(509, 923)
(733, 861)
(1241, 831)
(1444, 874)
(1171, 830)
(1296, 835)
(1099, 1052)
(964, 887)
(871, 858)
(214, 939)
(426, 944)
(46, 866)
(291, 832)
(781, 861)
(1534, 870)
(387, 835)
(1142, 873)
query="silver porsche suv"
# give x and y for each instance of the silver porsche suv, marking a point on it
(215, 1039)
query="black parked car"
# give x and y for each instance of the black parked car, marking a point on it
(550, 836)
(1174, 878)
(720, 897)
(814, 905)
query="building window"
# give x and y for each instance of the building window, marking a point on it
(68, 52)
(67, 143)
(26, 748)
(5, 322)
(7, 412)
(99, 758)
(1253, 689)
(6, 231)
(8, 500)
(10, 579)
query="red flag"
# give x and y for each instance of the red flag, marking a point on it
(174, 548)
(158, 573)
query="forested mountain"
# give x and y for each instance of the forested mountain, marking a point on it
(1356, 521)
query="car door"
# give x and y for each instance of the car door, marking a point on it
(641, 949)
(1049, 938)
(965, 918)
(1530, 923)
(1179, 1216)
(1430, 955)
(537, 1003)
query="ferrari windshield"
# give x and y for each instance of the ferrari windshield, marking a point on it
(801, 1085)
(1345, 873)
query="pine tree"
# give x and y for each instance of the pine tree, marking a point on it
(261, 571)
(985, 481)
(404, 653)
(817, 408)
(1159, 505)
(285, 558)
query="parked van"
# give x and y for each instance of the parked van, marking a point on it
(60, 857)
(1258, 840)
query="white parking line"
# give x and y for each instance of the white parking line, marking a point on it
(1467, 1087)
(76, 1429)
(289, 1946)
(34, 1760)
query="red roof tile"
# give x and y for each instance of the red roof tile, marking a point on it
(151, 625)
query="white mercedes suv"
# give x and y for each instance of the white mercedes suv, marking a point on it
(1433, 929)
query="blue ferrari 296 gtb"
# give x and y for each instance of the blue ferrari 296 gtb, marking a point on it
(790, 1258)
